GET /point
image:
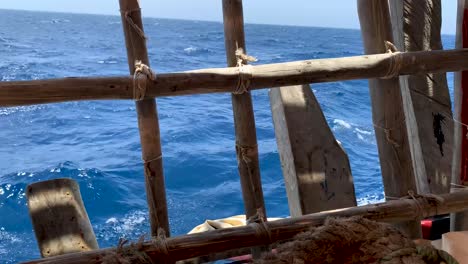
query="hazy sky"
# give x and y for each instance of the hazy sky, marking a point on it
(323, 13)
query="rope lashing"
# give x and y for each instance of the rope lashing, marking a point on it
(258, 223)
(135, 27)
(245, 71)
(142, 74)
(396, 61)
(420, 200)
(162, 247)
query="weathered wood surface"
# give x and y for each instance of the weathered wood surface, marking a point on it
(315, 167)
(244, 122)
(59, 218)
(428, 106)
(189, 246)
(459, 221)
(387, 110)
(222, 80)
(147, 121)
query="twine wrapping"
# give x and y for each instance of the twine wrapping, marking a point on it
(259, 225)
(162, 247)
(245, 71)
(142, 74)
(135, 27)
(420, 202)
(396, 61)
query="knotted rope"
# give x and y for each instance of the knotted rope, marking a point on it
(396, 61)
(420, 201)
(387, 132)
(162, 247)
(259, 225)
(245, 71)
(142, 74)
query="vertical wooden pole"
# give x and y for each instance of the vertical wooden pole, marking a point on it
(387, 110)
(459, 221)
(147, 120)
(316, 168)
(246, 136)
(59, 218)
(416, 27)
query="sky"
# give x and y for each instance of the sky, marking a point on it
(319, 13)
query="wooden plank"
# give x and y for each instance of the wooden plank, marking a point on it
(147, 120)
(387, 110)
(316, 168)
(431, 135)
(190, 246)
(59, 218)
(223, 80)
(244, 122)
(459, 222)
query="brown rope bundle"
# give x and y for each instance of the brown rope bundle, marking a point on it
(354, 240)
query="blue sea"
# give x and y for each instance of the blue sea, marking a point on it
(97, 142)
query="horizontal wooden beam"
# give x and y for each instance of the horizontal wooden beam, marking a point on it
(201, 244)
(219, 80)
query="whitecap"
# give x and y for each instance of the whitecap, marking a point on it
(342, 123)
(364, 132)
(190, 50)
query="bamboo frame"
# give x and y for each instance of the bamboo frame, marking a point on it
(222, 80)
(148, 122)
(190, 246)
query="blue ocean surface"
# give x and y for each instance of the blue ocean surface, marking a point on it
(97, 142)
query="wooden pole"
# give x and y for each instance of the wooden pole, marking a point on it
(459, 221)
(316, 168)
(387, 110)
(189, 246)
(59, 218)
(224, 80)
(147, 120)
(427, 100)
(244, 122)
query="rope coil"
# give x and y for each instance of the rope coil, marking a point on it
(142, 74)
(245, 71)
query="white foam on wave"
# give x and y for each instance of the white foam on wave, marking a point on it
(342, 123)
(360, 131)
(190, 50)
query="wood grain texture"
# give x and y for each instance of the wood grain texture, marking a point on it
(147, 121)
(224, 80)
(459, 221)
(244, 122)
(387, 110)
(315, 167)
(59, 218)
(201, 244)
(428, 106)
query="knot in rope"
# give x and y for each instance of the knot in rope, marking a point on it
(142, 74)
(258, 223)
(396, 61)
(245, 71)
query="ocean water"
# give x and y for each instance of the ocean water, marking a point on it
(97, 142)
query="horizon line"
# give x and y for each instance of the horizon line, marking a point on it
(185, 19)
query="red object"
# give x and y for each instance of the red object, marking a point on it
(426, 228)
(464, 108)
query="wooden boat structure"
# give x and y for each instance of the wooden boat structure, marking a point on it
(422, 145)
